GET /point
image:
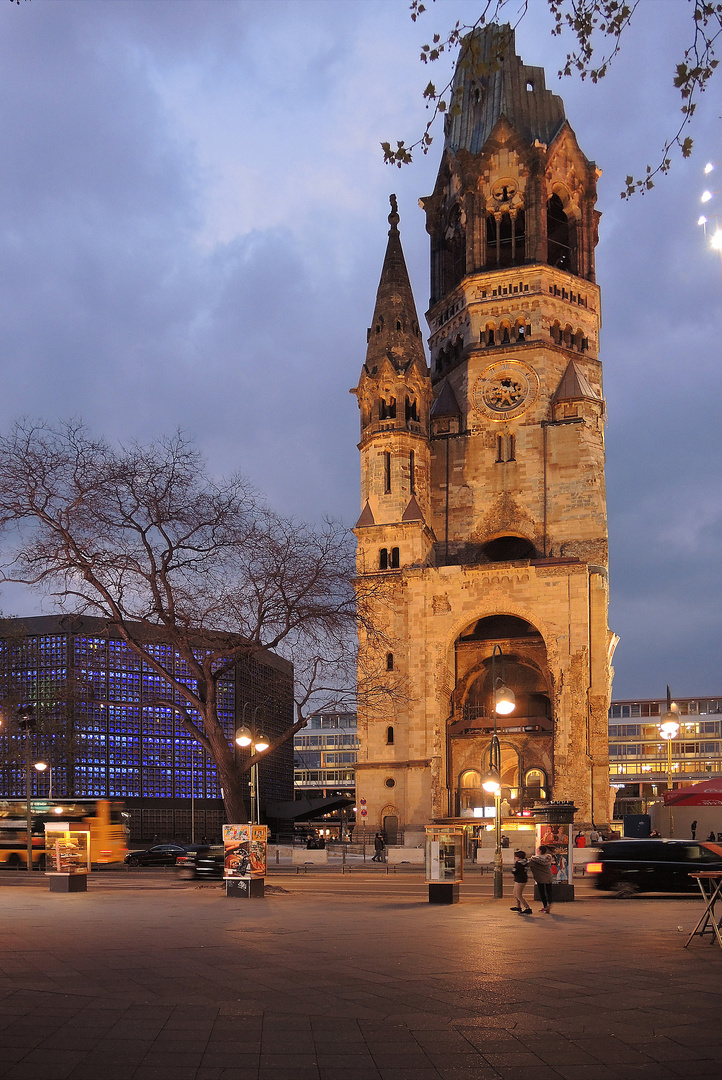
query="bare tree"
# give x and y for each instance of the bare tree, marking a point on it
(142, 536)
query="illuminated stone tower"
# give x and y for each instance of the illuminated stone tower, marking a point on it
(483, 500)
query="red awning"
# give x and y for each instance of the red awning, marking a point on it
(708, 793)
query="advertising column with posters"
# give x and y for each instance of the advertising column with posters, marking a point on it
(555, 832)
(244, 859)
(67, 857)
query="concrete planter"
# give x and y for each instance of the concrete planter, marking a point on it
(301, 856)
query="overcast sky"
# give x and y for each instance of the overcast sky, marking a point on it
(193, 217)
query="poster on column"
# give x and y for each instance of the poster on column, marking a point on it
(236, 851)
(557, 840)
(259, 844)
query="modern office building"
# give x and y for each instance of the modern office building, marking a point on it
(99, 726)
(324, 757)
(324, 777)
(638, 762)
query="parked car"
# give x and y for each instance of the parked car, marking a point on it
(162, 854)
(202, 864)
(631, 866)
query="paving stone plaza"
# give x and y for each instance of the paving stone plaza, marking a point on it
(333, 977)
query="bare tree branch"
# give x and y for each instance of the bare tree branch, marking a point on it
(144, 538)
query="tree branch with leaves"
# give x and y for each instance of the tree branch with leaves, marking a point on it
(596, 28)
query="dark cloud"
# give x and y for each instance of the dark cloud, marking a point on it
(192, 222)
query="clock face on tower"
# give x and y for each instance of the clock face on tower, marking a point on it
(505, 389)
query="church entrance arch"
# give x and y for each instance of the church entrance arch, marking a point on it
(526, 735)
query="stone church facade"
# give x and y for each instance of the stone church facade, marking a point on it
(482, 475)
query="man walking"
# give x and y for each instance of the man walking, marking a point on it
(378, 848)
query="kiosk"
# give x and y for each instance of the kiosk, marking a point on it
(67, 857)
(244, 863)
(444, 862)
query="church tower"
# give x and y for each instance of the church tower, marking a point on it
(483, 500)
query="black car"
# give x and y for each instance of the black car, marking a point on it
(162, 854)
(202, 864)
(631, 866)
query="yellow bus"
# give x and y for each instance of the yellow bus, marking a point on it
(105, 819)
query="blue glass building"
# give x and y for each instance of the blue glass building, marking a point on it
(99, 724)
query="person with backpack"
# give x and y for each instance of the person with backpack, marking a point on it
(520, 875)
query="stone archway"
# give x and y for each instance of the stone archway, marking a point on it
(527, 734)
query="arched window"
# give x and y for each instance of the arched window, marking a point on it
(383, 559)
(509, 548)
(535, 785)
(394, 563)
(387, 409)
(505, 239)
(389, 661)
(559, 252)
(412, 410)
(469, 792)
(454, 250)
(389, 736)
(505, 450)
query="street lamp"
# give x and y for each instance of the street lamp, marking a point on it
(503, 703)
(669, 730)
(258, 743)
(715, 238)
(26, 720)
(41, 766)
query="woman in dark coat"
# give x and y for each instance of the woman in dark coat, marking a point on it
(541, 869)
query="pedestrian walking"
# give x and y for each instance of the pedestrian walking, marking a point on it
(541, 869)
(378, 848)
(594, 836)
(693, 829)
(521, 877)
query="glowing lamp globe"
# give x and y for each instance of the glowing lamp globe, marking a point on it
(504, 701)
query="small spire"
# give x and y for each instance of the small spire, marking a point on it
(445, 404)
(574, 386)
(395, 331)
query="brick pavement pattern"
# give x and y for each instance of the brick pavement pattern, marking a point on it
(317, 984)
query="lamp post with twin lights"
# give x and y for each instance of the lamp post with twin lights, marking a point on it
(257, 743)
(669, 729)
(503, 703)
(26, 721)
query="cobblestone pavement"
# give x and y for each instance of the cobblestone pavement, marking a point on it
(327, 984)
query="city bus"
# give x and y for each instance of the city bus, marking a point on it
(106, 820)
